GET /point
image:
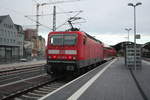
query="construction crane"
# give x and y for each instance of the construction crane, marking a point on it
(58, 2)
(54, 12)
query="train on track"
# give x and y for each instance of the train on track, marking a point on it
(71, 51)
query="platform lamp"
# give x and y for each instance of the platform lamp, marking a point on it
(134, 6)
(128, 30)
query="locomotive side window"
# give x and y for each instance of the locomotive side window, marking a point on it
(63, 39)
(84, 40)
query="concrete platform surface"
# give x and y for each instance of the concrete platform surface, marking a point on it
(110, 81)
(143, 78)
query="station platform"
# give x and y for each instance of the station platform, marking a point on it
(110, 81)
(11, 66)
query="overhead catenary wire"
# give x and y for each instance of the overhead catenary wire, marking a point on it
(57, 13)
(61, 9)
(67, 21)
(38, 22)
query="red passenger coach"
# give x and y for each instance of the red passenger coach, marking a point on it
(109, 53)
(71, 51)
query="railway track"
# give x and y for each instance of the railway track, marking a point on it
(15, 75)
(15, 81)
(21, 69)
(10, 89)
(32, 89)
(40, 91)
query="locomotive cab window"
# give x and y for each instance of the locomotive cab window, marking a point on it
(63, 39)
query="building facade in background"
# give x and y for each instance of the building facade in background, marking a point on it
(38, 46)
(20, 36)
(34, 46)
(29, 34)
(11, 40)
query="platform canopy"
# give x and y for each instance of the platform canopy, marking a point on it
(147, 45)
(122, 45)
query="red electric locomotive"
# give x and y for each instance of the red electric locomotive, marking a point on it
(71, 51)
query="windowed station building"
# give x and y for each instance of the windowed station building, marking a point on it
(11, 40)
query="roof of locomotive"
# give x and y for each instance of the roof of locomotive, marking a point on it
(66, 32)
(77, 32)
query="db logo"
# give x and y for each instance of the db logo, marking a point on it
(62, 52)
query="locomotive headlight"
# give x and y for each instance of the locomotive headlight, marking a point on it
(74, 58)
(70, 51)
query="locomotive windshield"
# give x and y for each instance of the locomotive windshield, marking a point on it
(63, 39)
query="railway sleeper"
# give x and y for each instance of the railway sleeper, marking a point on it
(44, 89)
(53, 88)
(39, 92)
(55, 85)
(43, 92)
(34, 94)
(27, 97)
(47, 87)
(17, 98)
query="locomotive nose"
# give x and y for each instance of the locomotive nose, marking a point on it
(71, 52)
(62, 54)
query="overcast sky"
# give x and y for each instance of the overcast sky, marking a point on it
(105, 19)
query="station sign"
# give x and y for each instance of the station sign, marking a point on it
(138, 36)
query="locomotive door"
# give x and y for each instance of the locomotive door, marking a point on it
(84, 50)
